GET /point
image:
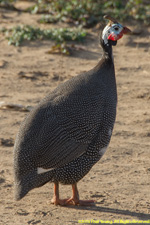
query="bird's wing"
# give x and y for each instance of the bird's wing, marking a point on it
(62, 127)
(43, 142)
(80, 117)
(55, 147)
(65, 136)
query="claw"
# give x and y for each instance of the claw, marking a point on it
(72, 201)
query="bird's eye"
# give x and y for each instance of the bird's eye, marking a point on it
(116, 28)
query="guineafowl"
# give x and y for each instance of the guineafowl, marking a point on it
(69, 130)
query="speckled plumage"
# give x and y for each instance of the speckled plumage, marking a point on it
(69, 131)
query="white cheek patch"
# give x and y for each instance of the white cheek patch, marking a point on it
(42, 170)
(105, 34)
(119, 26)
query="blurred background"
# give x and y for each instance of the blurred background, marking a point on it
(80, 14)
(44, 43)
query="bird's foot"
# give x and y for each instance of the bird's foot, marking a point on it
(58, 201)
(76, 201)
(72, 201)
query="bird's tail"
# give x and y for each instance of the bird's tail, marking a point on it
(26, 183)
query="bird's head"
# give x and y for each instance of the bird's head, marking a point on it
(113, 31)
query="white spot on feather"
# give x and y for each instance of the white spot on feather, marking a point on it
(110, 132)
(102, 151)
(42, 170)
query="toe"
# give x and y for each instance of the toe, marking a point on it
(73, 201)
(58, 201)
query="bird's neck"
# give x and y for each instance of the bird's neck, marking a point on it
(107, 61)
(105, 67)
(107, 52)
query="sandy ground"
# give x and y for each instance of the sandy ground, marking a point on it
(120, 181)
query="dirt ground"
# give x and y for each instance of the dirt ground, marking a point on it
(120, 181)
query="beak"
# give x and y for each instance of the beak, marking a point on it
(126, 30)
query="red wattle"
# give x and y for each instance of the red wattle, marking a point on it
(114, 37)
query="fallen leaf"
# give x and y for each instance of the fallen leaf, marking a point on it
(15, 107)
(7, 142)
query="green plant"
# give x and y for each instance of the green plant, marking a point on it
(18, 34)
(86, 12)
(8, 4)
(82, 12)
(7, 1)
(89, 12)
(50, 18)
(139, 10)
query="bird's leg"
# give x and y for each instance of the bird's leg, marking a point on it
(74, 200)
(56, 200)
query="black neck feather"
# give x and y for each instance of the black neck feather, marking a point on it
(107, 50)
